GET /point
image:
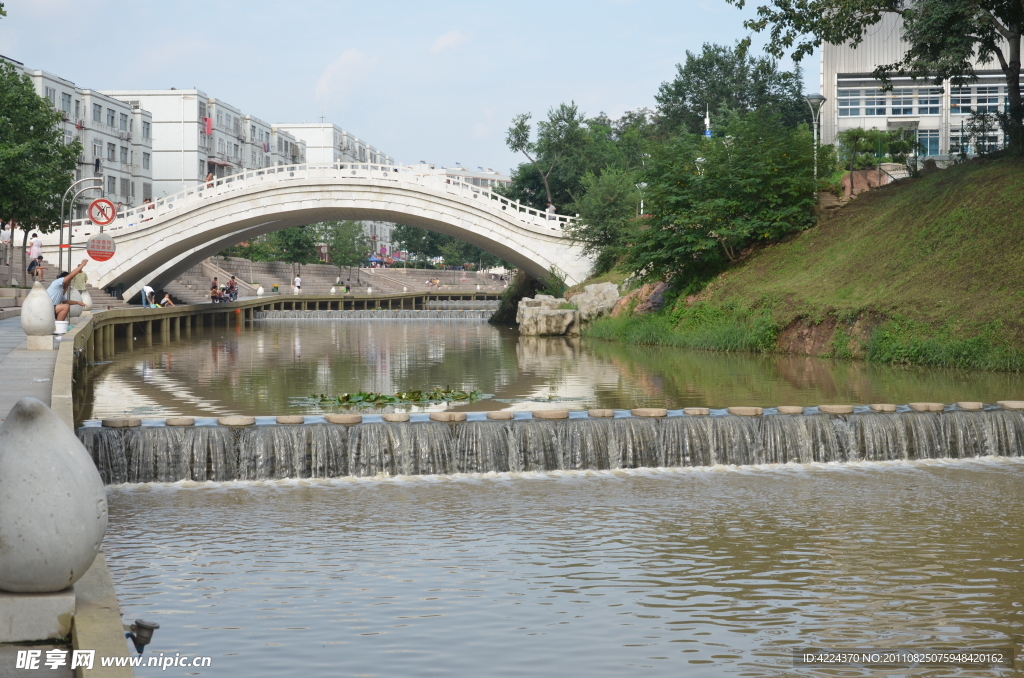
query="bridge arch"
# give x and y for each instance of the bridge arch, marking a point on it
(156, 243)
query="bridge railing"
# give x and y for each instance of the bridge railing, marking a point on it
(141, 217)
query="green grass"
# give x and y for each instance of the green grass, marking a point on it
(930, 270)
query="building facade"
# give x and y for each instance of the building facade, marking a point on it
(938, 113)
(116, 137)
(326, 143)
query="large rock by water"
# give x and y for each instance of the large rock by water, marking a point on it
(53, 508)
(596, 300)
(541, 316)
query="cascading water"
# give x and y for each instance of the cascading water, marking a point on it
(219, 453)
(376, 315)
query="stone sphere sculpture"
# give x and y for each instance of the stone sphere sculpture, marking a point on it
(53, 507)
(37, 318)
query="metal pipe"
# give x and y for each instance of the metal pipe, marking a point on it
(60, 250)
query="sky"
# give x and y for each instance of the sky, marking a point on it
(435, 81)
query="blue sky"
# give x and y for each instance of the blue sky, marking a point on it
(435, 81)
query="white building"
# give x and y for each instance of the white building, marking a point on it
(326, 143)
(938, 113)
(195, 135)
(116, 137)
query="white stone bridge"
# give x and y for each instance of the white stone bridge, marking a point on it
(159, 241)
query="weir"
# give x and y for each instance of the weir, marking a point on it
(158, 453)
(375, 315)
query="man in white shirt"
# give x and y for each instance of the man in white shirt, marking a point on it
(298, 284)
(5, 244)
(58, 291)
(148, 296)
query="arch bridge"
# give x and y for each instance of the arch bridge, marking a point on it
(157, 242)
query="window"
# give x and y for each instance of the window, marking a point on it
(124, 122)
(126, 189)
(960, 100)
(111, 185)
(928, 141)
(124, 155)
(97, 113)
(988, 99)
(220, 118)
(97, 148)
(111, 117)
(51, 95)
(252, 132)
(874, 103)
(220, 145)
(145, 160)
(146, 129)
(903, 101)
(279, 144)
(65, 103)
(111, 152)
(254, 158)
(147, 191)
(929, 99)
(202, 110)
(78, 109)
(235, 154)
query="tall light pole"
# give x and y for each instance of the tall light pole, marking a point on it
(815, 102)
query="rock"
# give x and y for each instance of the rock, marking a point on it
(883, 407)
(596, 301)
(597, 414)
(545, 301)
(927, 407)
(790, 409)
(970, 406)
(236, 421)
(836, 409)
(1011, 404)
(541, 316)
(291, 419)
(396, 417)
(696, 411)
(501, 416)
(37, 316)
(127, 422)
(746, 411)
(649, 412)
(551, 414)
(647, 299)
(448, 416)
(180, 421)
(347, 419)
(52, 501)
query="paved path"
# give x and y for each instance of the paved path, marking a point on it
(22, 372)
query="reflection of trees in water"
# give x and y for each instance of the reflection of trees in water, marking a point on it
(682, 378)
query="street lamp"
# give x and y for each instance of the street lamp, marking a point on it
(815, 102)
(640, 187)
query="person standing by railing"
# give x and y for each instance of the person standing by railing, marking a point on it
(550, 212)
(6, 238)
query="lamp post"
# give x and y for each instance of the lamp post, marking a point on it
(815, 102)
(60, 252)
(640, 187)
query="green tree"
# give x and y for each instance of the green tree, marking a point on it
(722, 79)
(36, 166)
(944, 39)
(347, 243)
(607, 209)
(555, 137)
(296, 245)
(710, 199)
(423, 244)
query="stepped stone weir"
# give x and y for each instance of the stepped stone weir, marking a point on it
(355, 447)
(375, 315)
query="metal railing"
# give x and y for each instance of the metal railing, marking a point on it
(152, 214)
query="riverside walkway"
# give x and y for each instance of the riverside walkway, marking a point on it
(22, 372)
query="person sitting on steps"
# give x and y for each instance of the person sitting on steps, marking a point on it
(36, 268)
(58, 291)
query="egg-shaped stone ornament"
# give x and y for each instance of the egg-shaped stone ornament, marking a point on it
(87, 300)
(76, 310)
(53, 507)
(37, 317)
(259, 291)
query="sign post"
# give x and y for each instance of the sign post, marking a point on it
(102, 212)
(100, 247)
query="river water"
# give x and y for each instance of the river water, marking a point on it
(269, 369)
(697, 572)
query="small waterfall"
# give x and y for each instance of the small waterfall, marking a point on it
(219, 453)
(446, 314)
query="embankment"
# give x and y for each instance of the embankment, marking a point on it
(928, 271)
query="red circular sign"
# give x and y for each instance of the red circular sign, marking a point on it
(100, 247)
(102, 212)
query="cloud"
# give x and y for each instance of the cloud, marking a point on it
(344, 74)
(482, 130)
(449, 40)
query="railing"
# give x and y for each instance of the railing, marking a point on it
(142, 217)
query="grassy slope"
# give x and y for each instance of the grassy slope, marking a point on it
(944, 250)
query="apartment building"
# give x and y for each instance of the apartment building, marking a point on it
(937, 112)
(116, 137)
(327, 143)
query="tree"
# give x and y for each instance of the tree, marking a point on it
(36, 166)
(710, 199)
(945, 38)
(723, 79)
(296, 245)
(607, 209)
(347, 243)
(555, 136)
(423, 244)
